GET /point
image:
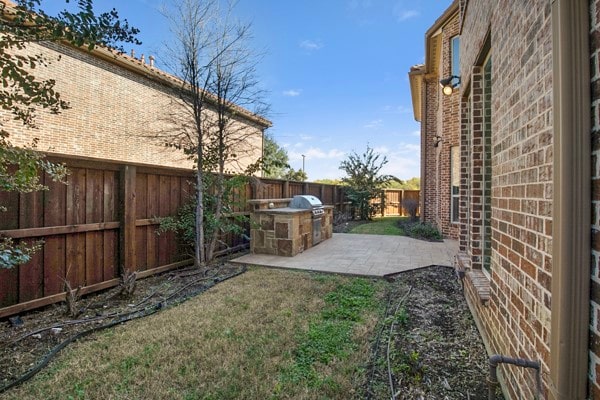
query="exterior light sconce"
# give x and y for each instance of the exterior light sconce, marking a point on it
(437, 140)
(448, 84)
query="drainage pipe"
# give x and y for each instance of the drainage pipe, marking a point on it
(519, 362)
(571, 248)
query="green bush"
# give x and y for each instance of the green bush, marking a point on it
(423, 230)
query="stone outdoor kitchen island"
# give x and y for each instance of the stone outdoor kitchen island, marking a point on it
(278, 229)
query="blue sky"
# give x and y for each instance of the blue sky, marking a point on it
(336, 72)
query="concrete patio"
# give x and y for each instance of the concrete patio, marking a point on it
(369, 255)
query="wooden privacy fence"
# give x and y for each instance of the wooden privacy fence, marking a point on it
(101, 220)
(104, 221)
(393, 199)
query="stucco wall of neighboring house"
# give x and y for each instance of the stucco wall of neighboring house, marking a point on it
(116, 113)
(440, 119)
(594, 372)
(515, 321)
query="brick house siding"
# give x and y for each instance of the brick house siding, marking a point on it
(507, 140)
(429, 157)
(450, 107)
(507, 144)
(594, 371)
(118, 104)
(439, 126)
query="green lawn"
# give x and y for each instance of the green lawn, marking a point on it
(267, 334)
(381, 226)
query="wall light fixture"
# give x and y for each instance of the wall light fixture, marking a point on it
(448, 84)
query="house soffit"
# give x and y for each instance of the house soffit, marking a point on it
(433, 39)
(415, 77)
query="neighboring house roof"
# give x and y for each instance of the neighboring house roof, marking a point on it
(433, 53)
(149, 71)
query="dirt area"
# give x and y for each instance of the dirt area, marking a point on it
(427, 346)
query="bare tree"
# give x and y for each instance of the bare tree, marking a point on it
(218, 97)
(233, 83)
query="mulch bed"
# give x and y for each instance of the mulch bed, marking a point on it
(428, 346)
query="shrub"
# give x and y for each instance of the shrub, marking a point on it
(423, 230)
(411, 206)
(365, 182)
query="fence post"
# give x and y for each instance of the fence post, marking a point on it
(305, 188)
(127, 254)
(286, 189)
(335, 197)
(400, 201)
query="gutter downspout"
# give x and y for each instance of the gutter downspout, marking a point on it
(572, 201)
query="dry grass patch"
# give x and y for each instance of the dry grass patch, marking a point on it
(236, 341)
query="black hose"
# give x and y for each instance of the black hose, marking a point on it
(124, 318)
(375, 347)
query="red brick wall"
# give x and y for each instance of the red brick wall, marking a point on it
(516, 320)
(429, 131)
(114, 111)
(594, 373)
(441, 118)
(450, 133)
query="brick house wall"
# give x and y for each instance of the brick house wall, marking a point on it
(506, 176)
(429, 168)
(118, 106)
(439, 120)
(450, 108)
(594, 371)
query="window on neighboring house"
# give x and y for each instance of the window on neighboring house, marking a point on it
(454, 183)
(455, 56)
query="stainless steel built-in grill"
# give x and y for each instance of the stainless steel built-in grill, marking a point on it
(308, 202)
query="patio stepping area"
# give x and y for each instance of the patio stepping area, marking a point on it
(369, 255)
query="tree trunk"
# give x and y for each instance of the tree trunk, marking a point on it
(200, 256)
(218, 208)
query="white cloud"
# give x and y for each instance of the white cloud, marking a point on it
(403, 161)
(416, 133)
(408, 148)
(311, 45)
(316, 153)
(403, 14)
(381, 150)
(376, 123)
(397, 109)
(292, 92)
(306, 137)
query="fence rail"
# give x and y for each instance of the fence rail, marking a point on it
(104, 221)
